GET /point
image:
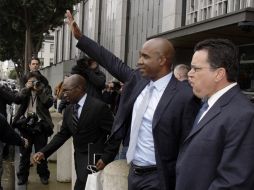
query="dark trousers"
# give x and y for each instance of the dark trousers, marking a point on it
(81, 161)
(147, 180)
(39, 141)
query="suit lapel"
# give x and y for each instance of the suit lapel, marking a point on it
(165, 99)
(214, 111)
(127, 102)
(68, 115)
(85, 111)
(138, 89)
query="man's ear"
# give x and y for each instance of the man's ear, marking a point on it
(163, 60)
(221, 73)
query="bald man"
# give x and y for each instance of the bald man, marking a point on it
(181, 72)
(93, 125)
(154, 111)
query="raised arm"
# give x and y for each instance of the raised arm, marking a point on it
(105, 58)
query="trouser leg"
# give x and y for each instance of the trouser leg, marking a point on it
(24, 164)
(1, 162)
(40, 141)
(81, 171)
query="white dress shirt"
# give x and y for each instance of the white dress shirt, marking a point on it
(81, 104)
(213, 99)
(145, 153)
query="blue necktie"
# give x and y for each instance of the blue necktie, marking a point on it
(75, 115)
(200, 113)
(137, 123)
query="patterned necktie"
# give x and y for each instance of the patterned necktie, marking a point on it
(137, 123)
(75, 115)
(200, 113)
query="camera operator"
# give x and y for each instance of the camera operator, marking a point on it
(34, 123)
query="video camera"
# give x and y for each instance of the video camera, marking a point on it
(29, 124)
(31, 119)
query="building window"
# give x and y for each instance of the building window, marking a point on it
(42, 47)
(51, 48)
(225, 7)
(237, 5)
(42, 62)
(51, 61)
(192, 5)
(195, 18)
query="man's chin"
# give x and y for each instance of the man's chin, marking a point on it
(143, 73)
(197, 94)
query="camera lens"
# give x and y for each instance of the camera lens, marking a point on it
(36, 83)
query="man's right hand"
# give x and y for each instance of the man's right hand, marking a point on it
(73, 25)
(37, 157)
(29, 84)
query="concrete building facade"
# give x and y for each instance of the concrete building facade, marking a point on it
(122, 26)
(46, 53)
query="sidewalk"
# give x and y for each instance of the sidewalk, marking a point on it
(8, 177)
(34, 182)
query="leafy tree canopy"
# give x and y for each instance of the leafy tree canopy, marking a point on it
(23, 23)
(13, 74)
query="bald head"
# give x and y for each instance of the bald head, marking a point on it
(155, 58)
(74, 88)
(163, 47)
(75, 80)
(181, 72)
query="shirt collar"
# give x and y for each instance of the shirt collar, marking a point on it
(219, 93)
(82, 100)
(162, 83)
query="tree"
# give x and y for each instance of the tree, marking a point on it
(23, 25)
(13, 74)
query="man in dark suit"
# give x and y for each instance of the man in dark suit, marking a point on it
(8, 134)
(218, 153)
(93, 126)
(154, 141)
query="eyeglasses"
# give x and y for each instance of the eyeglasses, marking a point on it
(197, 69)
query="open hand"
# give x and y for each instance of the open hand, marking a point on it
(73, 25)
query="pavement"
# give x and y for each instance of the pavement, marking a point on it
(9, 178)
(8, 175)
(34, 182)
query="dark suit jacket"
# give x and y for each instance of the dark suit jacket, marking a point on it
(175, 111)
(218, 154)
(8, 96)
(94, 125)
(8, 135)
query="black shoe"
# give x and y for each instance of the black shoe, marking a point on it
(44, 181)
(22, 182)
